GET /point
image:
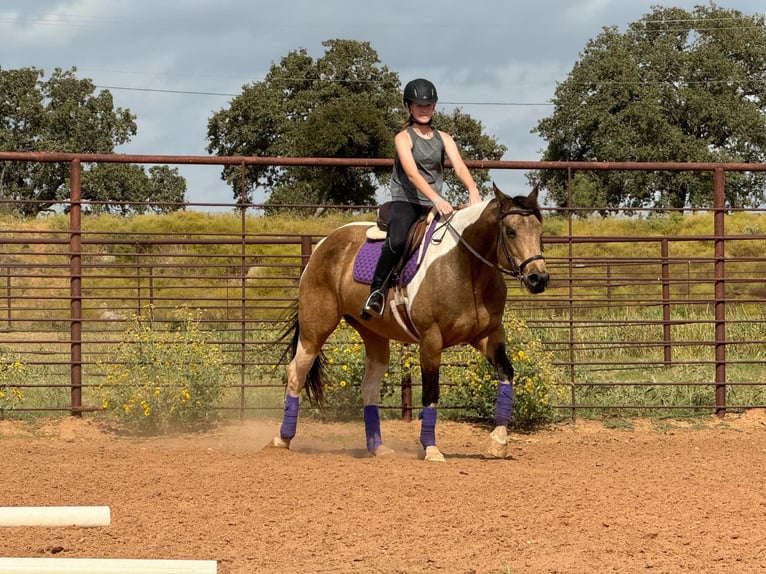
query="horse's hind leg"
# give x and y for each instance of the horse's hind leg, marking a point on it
(376, 357)
(314, 327)
(297, 371)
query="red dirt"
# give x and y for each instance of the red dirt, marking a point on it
(669, 497)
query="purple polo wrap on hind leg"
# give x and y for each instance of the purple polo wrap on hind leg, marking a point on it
(504, 404)
(372, 427)
(428, 426)
(290, 418)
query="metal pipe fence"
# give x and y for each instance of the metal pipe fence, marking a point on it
(691, 326)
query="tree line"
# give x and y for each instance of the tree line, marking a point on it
(676, 86)
(63, 114)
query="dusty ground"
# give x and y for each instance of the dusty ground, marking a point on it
(648, 497)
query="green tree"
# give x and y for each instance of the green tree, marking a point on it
(676, 86)
(61, 114)
(473, 143)
(160, 191)
(344, 104)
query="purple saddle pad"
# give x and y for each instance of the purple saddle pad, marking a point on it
(369, 253)
(367, 258)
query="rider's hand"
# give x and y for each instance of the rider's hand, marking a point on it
(443, 206)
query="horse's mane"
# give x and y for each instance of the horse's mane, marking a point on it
(521, 202)
(528, 203)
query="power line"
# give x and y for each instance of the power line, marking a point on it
(164, 91)
(228, 95)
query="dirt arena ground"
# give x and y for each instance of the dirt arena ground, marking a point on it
(645, 497)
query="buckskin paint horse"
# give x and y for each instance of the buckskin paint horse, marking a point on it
(456, 296)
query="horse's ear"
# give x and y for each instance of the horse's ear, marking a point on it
(499, 195)
(533, 194)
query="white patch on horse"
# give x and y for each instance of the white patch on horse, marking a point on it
(444, 241)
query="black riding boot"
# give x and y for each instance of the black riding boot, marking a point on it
(384, 272)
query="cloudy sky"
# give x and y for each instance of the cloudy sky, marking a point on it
(175, 62)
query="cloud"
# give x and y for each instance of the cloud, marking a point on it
(488, 57)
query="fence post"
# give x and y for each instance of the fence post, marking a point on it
(570, 296)
(407, 397)
(8, 313)
(665, 274)
(242, 207)
(139, 292)
(75, 289)
(719, 274)
(306, 247)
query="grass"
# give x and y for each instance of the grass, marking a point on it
(612, 312)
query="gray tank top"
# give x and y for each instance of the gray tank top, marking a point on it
(429, 157)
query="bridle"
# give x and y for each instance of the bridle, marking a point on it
(515, 271)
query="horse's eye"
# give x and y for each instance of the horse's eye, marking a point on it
(510, 232)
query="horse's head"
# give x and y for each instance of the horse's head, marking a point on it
(520, 244)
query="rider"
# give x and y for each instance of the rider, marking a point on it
(416, 183)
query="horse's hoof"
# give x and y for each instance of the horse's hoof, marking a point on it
(383, 451)
(279, 442)
(433, 454)
(498, 445)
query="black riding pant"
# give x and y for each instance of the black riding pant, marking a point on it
(402, 215)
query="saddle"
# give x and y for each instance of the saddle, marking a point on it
(418, 237)
(414, 236)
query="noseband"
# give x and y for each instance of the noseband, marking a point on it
(516, 271)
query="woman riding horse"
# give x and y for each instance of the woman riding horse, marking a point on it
(415, 183)
(456, 296)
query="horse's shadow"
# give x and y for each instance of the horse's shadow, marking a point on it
(361, 453)
(349, 452)
(474, 456)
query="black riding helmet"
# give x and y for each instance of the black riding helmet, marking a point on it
(420, 91)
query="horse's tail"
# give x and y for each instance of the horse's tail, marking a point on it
(315, 377)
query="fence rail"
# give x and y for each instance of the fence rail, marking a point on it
(653, 320)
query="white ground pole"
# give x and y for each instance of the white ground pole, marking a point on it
(105, 566)
(85, 516)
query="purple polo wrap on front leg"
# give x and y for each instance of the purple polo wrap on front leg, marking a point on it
(290, 418)
(504, 404)
(428, 426)
(372, 427)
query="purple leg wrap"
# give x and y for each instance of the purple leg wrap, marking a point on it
(290, 418)
(372, 427)
(504, 404)
(428, 426)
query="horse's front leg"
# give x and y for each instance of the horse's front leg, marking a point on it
(430, 361)
(376, 356)
(498, 438)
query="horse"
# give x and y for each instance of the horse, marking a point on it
(456, 296)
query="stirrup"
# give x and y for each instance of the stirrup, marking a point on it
(374, 304)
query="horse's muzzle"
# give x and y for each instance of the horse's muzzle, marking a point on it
(537, 281)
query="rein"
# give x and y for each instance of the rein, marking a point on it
(516, 271)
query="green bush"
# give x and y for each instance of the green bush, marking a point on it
(473, 388)
(164, 379)
(345, 369)
(342, 387)
(12, 373)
